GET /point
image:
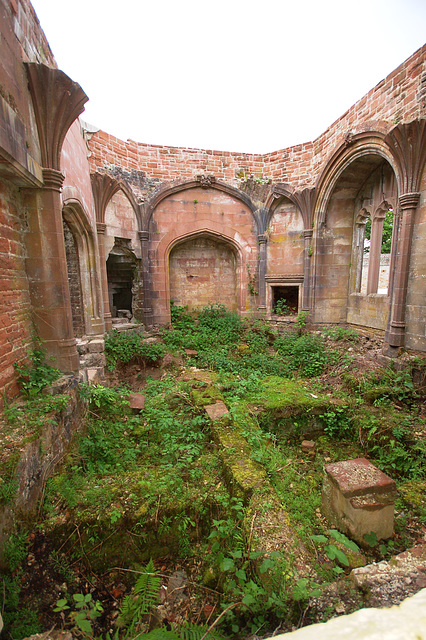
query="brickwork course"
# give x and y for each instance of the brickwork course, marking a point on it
(200, 225)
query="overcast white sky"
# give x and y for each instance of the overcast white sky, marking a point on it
(232, 75)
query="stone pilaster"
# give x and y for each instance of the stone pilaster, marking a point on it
(147, 306)
(46, 266)
(396, 329)
(100, 229)
(307, 259)
(262, 242)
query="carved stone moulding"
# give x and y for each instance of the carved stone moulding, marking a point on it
(57, 102)
(205, 181)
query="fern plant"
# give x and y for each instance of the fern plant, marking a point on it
(141, 601)
(187, 631)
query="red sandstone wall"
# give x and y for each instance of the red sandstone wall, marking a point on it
(193, 212)
(21, 39)
(285, 241)
(400, 97)
(75, 167)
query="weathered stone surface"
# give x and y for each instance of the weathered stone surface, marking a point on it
(137, 402)
(390, 582)
(406, 621)
(191, 352)
(216, 411)
(308, 446)
(359, 499)
(93, 375)
(96, 346)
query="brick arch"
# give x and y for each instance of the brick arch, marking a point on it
(78, 223)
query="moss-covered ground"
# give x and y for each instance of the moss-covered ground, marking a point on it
(234, 503)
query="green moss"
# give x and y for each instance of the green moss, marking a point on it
(287, 396)
(414, 494)
(207, 395)
(244, 474)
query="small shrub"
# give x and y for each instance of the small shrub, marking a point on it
(306, 353)
(37, 374)
(282, 308)
(124, 347)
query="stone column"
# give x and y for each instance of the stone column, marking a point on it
(395, 335)
(307, 256)
(147, 297)
(46, 266)
(57, 102)
(101, 228)
(261, 239)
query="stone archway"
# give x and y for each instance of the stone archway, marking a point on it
(203, 270)
(121, 268)
(74, 280)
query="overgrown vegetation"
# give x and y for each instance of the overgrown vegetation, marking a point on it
(235, 504)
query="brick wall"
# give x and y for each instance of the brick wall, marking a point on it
(400, 97)
(15, 333)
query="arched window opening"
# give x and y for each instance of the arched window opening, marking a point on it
(74, 281)
(377, 250)
(121, 267)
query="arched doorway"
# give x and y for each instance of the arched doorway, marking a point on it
(121, 267)
(203, 270)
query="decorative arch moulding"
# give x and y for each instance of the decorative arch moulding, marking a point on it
(57, 102)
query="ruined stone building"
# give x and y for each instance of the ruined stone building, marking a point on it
(91, 226)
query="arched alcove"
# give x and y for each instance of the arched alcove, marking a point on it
(74, 281)
(350, 287)
(194, 212)
(203, 270)
(83, 277)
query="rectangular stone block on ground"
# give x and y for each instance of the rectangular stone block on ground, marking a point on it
(137, 402)
(358, 499)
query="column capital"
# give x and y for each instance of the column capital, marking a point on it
(101, 228)
(409, 200)
(143, 236)
(308, 233)
(52, 179)
(262, 239)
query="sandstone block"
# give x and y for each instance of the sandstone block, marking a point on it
(216, 411)
(96, 346)
(137, 402)
(358, 498)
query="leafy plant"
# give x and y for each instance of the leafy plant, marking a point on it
(37, 374)
(282, 308)
(333, 552)
(141, 601)
(336, 422)
(86, 611)
(306, 353)
(121, 348)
